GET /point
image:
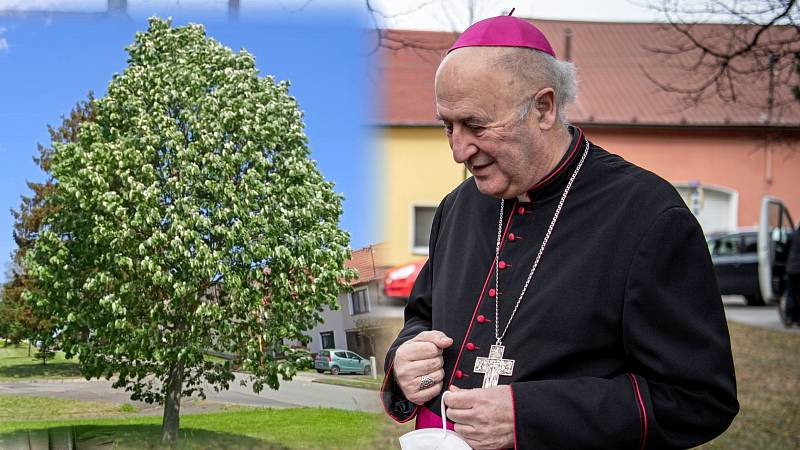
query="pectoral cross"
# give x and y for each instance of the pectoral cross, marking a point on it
(494, 366)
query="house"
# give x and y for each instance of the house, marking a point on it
(721, 157)
(360, 323)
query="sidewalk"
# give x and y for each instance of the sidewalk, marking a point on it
(759, 316)
(300, 392)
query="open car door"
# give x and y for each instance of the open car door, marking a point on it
(775, 226)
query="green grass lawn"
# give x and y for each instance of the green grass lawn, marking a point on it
(768, 380)
(15, 364)
(358, 381)
(297, 428)
(215, 359)
(29, 408)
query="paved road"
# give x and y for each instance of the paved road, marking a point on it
(299, 392)
(761, 316)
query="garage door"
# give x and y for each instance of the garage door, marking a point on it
(715, 207)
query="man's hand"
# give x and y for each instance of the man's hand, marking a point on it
(422, 355)
(483, 417)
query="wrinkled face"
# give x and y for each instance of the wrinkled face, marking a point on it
(479, 106)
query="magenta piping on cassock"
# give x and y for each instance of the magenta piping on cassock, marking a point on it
(429, 419)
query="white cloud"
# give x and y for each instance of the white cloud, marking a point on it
(3, 41)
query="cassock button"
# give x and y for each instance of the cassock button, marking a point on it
(470, 346)
(511, 236)
(492, 292)
(521, 210)
(459, 374)
(501, 265)
(481, 318)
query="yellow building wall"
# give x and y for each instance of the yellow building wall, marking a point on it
(417, 168)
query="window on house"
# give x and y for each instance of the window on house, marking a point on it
(353, 338)
(423, 219)
(359, 301)
(327, 339)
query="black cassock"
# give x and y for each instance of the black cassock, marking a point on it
(620, 341)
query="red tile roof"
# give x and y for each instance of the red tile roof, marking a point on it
(611, 61)
(365, 261)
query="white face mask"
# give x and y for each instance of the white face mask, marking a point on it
(434, 438)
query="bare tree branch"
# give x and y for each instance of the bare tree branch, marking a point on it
(457, 15)
(387, 39)
(758, 47)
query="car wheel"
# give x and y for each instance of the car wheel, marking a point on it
(320, 371)
(367, 370)
(785, 319)
(754, 300)
(335, 370)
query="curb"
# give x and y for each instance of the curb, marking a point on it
(50, 381)
(323, 381)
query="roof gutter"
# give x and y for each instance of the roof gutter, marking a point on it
(640, 126)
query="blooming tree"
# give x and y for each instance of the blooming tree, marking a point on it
(188, 217)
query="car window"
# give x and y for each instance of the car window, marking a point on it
(340, 354)
(325, 353)
(727, 246)
(750, 243)
(352, 355)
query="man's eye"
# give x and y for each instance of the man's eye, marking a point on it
(448, 129)
(476, 129)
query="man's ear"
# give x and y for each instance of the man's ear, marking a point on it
(545, 104)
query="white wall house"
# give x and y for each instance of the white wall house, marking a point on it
(357, 322)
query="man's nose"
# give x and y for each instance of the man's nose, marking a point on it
(463, 145)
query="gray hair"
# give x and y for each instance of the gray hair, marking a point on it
(538, 70)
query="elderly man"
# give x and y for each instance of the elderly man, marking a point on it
(569, 300)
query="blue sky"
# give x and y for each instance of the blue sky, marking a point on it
(50, 61)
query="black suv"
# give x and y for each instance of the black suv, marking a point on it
(735, 257)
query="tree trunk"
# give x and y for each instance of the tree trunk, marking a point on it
(172, 406)
(29, 347)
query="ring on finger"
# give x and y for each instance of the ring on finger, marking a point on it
(425, 382)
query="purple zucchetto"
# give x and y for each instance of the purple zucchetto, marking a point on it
(504, 31)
